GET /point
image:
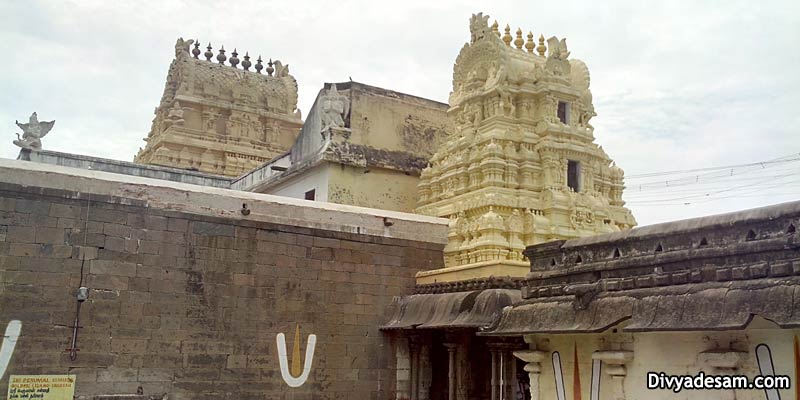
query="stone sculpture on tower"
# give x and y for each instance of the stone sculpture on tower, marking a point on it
(521, 167)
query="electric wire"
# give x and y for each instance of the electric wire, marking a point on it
(703, 185)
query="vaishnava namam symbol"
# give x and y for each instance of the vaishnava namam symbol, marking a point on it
(9, 342)
(298, 375)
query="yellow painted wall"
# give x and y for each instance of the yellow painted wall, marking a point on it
(384, 119)
(379, 188)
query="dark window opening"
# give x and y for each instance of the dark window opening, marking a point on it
(574, 175)
(578, 259)
(311, 194)
(659, 249)
(616, 253)
(552, 262)
(750, 235)
(791, 229)
(703, 242)
(563, 112)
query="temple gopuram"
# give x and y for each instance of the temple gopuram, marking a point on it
(221, 119)
(522, 166)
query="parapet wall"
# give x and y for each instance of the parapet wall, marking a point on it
(188, 293)
(128, 168)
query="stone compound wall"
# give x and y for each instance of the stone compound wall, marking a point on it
(188, 294)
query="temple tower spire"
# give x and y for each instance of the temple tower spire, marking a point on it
(522, 166)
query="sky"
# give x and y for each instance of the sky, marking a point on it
(678, 85)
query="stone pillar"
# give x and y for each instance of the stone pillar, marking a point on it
(425, 375)
(721, 362)
(503, 374)
(414, 347)
(533, 366)
(494, 374)
(451, 371)
(513, 386)
(403, 360)
(615, 361)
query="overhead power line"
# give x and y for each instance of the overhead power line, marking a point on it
(780, 160)
(769, 178)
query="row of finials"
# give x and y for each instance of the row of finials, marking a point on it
(234, 60)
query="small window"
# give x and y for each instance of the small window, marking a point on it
(616, 253)
(791, 229)
(311, 194)
(659, 249)
(563, 112)
(703, 242)
(751, 235)
(574, 175)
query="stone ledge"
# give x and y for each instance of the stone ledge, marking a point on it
(492, 282)
(223, 203)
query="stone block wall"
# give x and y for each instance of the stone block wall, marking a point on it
(189, 303)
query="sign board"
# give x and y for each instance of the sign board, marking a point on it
(43, 387)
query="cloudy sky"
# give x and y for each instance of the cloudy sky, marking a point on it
(678, 85)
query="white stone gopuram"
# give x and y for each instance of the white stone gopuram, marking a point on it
(522, 166)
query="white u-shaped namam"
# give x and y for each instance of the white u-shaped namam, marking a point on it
(766, 367)
(283, 359)
(13, 330)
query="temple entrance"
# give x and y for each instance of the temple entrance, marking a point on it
(457, 365)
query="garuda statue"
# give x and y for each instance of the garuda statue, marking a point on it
(334, 109)
(33, 132)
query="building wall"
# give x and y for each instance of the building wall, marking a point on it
(675, 353)
(390, 134)
(316, 178)
(262, 173)
(372, 187)
(384, 119)
(188, 294)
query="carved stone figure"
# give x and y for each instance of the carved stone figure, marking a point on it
(33, 132)
(334, 107)
(182, 47)
(281, 70)
(507, 106)
(478, 26)
(557, 63)
(175, 116)
(497, 78)
(580, 80)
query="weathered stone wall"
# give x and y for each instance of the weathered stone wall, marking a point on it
(187, 299)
